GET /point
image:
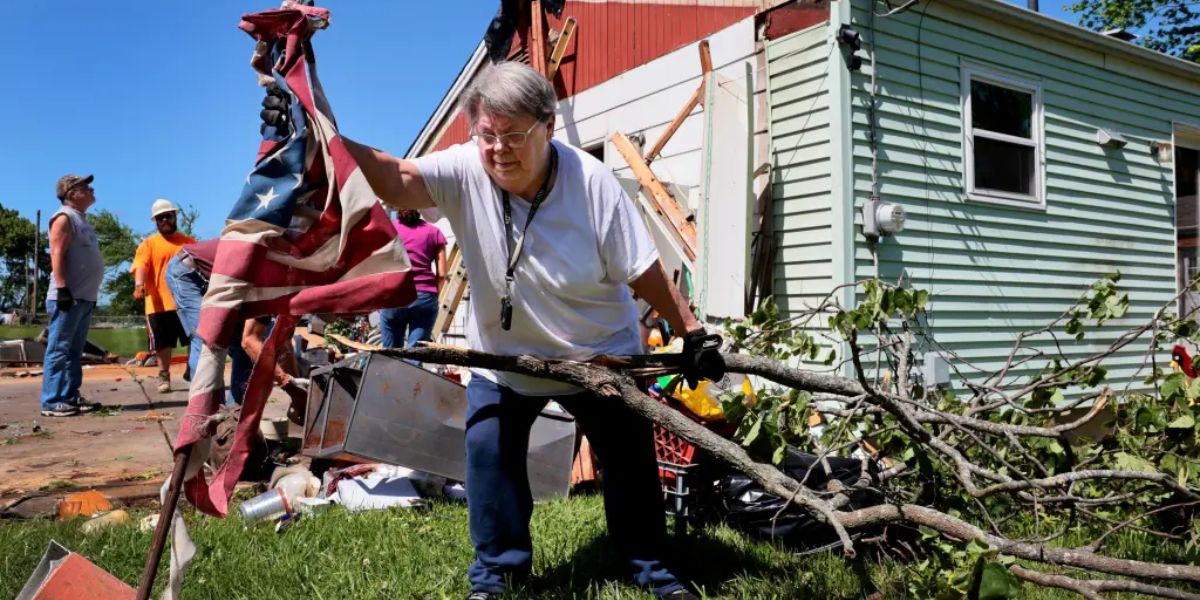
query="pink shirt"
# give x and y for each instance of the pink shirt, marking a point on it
(422, 243)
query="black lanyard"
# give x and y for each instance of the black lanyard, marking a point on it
(514, 252)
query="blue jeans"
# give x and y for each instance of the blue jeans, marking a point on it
(417, 318)
(61, 369)
(499, 503)
(188, 287)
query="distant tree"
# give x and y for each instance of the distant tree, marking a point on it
(1168, 26)
(16, 252)
(188, 215)
(118, 288)
(118, 242)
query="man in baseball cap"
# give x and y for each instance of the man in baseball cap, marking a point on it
(76, 271)
(67, 183)
(150, 282)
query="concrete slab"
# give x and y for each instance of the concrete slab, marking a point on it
(126, 446)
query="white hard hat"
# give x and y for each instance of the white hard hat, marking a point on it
(161, 206)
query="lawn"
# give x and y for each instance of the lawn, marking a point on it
(425, 553)
(124, 342)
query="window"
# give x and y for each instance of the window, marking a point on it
(1002, 122)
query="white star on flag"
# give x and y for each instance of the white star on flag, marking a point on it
(264, 200)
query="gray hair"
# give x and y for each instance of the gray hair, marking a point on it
(509, 89)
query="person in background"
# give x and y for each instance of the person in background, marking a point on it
(150, 283)
(188, 273)
(76, 272)
(254, 338)
(426, 246)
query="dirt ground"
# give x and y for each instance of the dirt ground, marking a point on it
(123, 450)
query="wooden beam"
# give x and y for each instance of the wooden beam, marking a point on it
(684, 230)
(697, 98)
(560, 47)
(537, 37)
(705, 59)
(674, 126)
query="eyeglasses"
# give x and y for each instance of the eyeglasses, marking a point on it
(515, 139)
(165, 217)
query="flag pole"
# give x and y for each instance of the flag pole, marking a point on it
(165, 517)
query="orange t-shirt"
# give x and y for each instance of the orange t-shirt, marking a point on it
(153, 254)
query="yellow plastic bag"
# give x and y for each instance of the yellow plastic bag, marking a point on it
(702, 401)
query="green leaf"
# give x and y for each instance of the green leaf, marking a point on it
(1173, 385)
(1075, 327)
(903, 301)
(1185, 421)
(752, 435)
(997, 583)
(1128, 462)
(780, 454)
(920, 299)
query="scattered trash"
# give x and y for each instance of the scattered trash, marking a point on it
(296, 481)
(22, 351)
(269, 505)
(65, 574)
(148, 523)
(287, 521)
(143, 476)
(36, 427)
(377, 408)
(103, 520)
(83, 504)
(288, 485)
(108, 410)
(384, 486)
(455, 491)
(154, 416)
(312, 506)
(275, 430)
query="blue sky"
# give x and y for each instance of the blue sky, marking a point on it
(157, 99)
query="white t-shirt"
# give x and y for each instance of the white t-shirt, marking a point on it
(570, 293)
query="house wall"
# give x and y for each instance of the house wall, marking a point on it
(994, 271)
(646, 99)
(801, 176)
(616, 36)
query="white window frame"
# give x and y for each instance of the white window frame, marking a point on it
(1037, 200)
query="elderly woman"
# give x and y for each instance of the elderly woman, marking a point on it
(552, 247)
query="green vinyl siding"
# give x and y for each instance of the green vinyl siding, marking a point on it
(997, 270)
(799, 99)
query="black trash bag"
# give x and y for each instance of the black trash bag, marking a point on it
(747, 507)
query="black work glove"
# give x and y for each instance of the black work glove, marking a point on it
(702, 357)
(65, 299)
(276, 106)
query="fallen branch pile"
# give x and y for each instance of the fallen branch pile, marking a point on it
(972, 464)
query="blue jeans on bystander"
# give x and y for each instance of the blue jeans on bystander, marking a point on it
(61, 369)
(188, 286)
(417, 318)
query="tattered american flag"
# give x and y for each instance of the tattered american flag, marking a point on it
(306, 236)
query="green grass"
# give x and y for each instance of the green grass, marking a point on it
(425, 554)
(124, 342)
